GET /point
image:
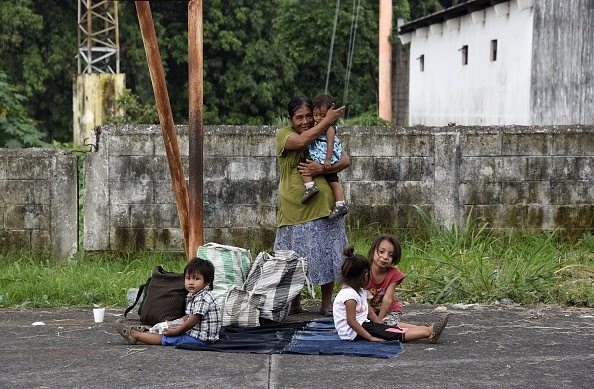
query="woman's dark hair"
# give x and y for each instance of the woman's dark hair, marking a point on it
(202, 266)
(354, 269)
(323, 101)
(297, 102)
(390, 238)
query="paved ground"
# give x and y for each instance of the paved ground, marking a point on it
(482, 347)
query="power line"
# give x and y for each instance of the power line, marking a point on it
(353, 34)
(332, 45)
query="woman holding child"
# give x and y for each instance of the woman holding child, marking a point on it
(305, 228)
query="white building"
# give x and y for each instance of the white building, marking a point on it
(496, 62)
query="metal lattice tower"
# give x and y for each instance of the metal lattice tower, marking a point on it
(98, 37)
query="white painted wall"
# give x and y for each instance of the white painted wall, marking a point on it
(482, 92)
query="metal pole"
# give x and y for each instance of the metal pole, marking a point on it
(89, 36)
(117, 36)
(78, 35)
(149, 38)
(195, 127)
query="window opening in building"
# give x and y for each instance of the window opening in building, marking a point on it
(464, 51)
(494, 50)
(422, 62)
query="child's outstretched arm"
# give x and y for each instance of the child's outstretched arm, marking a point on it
(330, 134)
(189, 322)
(303, 139)
(351, 306)
(387, 300)
(373, 317)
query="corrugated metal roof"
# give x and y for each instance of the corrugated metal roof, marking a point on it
(449, 13)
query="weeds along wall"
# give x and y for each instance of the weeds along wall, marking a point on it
(536, 178)
(38, 201)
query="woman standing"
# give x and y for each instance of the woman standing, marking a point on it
(305, 228)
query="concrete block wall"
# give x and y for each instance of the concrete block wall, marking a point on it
(39, 201)
(515, 177)
(529, 177)
(129, 201)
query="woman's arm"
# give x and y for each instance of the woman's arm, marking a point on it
(312, 168)
(303, 139)
(351, 306)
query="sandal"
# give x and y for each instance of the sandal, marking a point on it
(140, 328)
(327, 311)
(437, 328)
(124, 330)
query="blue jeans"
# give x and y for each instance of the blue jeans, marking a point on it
(184, 338)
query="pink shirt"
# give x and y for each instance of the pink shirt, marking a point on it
(377, 291)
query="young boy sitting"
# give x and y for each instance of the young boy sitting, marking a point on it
(202, 322)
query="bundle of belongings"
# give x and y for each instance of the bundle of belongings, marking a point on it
(249, 293)
(255, 299)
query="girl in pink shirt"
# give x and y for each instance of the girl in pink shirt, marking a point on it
(384, 277)
(353, 319)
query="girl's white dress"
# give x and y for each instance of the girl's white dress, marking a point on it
(339, 311)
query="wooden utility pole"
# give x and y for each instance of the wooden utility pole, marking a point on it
(176, 170)
(195, 126)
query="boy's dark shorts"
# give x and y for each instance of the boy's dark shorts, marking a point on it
(332, 177)
(383, 331)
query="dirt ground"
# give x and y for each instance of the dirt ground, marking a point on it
(497, 346)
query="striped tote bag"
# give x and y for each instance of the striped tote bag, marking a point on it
(232, 265)
(241, 308)
(279, 276)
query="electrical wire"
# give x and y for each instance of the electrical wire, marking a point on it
(332, 46)
(353, 34)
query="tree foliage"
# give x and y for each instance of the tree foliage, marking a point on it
(17, 129)
(129, 110)
(256, 56)
(37, 51)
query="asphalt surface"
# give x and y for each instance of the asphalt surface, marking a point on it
(497, 346)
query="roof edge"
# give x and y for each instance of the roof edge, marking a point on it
(448, 13)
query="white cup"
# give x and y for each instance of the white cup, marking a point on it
(98, 313)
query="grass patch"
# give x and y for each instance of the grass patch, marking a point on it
(443, 265)
(470, 266)
(28, 281)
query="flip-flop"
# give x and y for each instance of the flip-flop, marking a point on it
(124, 330)
(438, 328)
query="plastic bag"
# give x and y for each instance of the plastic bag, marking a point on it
(159, 327)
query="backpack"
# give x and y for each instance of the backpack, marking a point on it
(163, 297)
